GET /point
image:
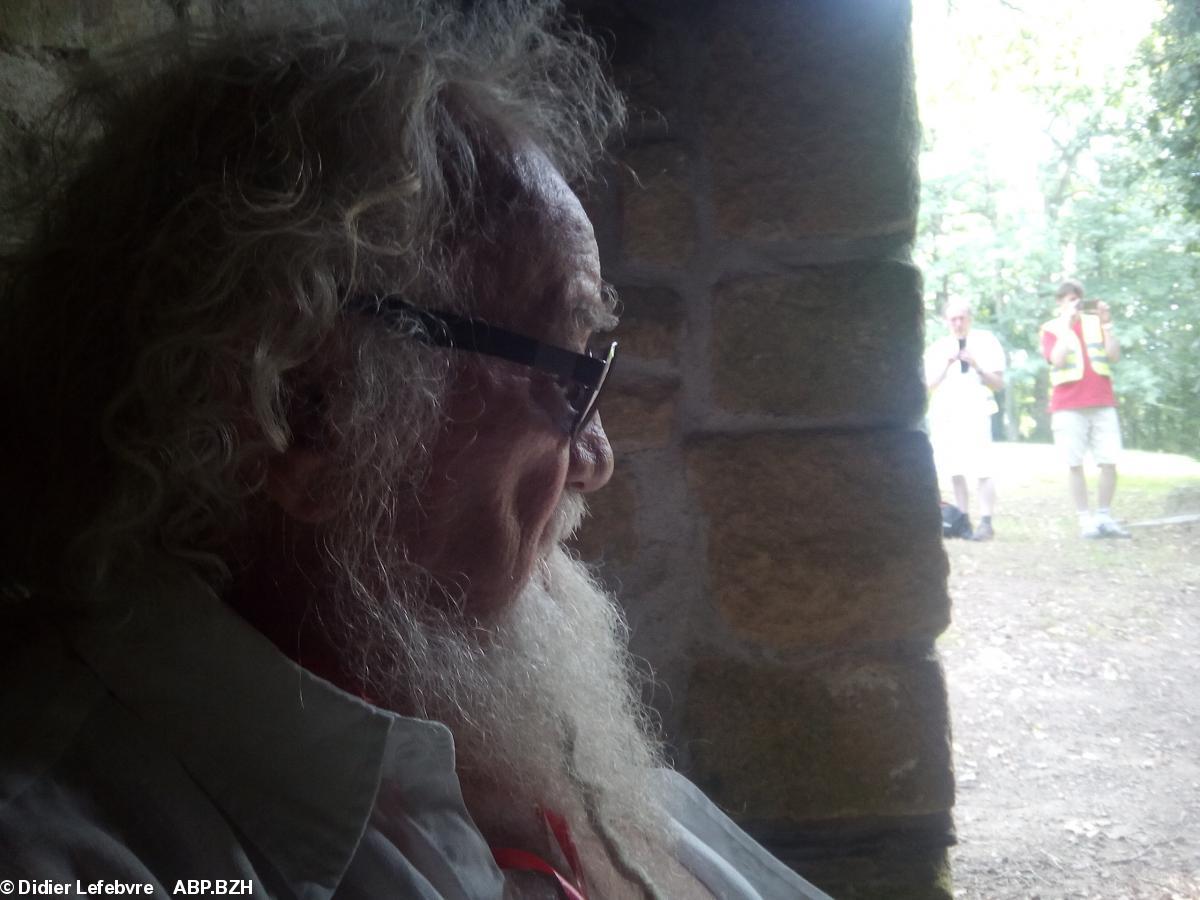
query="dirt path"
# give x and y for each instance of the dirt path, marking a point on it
(1074, 678)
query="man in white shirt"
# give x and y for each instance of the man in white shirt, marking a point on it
(301, 391)
(963, 371)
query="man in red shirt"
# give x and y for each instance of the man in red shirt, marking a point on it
(1080, 345)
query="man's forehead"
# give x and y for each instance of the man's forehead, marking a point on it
(541, 179)
(597, 311)
(561, 257)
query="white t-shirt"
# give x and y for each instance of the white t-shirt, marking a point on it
(962, 396)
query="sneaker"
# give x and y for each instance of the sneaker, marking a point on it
(983, 532)
(1111, 529)
(1090, 530)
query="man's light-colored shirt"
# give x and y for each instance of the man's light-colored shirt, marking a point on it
(962, 396)
(177, 749)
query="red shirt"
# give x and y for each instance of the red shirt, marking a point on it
(1090, 390)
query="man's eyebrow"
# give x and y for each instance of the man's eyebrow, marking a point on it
(592, 316)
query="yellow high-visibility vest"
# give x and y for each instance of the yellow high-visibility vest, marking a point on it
(1093, 338)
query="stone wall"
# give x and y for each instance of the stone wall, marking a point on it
(772, 526)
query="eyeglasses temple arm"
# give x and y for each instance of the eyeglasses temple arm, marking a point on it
(446, 329)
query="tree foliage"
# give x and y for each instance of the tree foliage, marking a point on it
(1172, 57)
(1060, 175)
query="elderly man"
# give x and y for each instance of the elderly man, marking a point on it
(963, 371)
(301, 396)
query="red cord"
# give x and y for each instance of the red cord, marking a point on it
(524, 861)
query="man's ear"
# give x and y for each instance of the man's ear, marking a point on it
(296, 483)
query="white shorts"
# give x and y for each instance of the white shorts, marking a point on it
(1095, 428)
(963, 447)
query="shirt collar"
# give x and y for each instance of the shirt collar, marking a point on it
(293, 761)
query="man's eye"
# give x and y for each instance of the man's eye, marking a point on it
(574, 392)
(551, 392)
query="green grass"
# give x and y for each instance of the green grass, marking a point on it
(1037, 531)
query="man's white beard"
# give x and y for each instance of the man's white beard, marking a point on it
(557, 719)
(544, 707)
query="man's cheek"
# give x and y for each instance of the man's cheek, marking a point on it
(540, 491)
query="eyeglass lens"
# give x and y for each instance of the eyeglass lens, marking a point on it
(586, 399)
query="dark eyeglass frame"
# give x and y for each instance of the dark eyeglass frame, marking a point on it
(585, 373)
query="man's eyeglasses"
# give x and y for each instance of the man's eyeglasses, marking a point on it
(580, 376)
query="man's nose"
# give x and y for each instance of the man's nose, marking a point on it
(591, 463)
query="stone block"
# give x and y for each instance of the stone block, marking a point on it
(914, 874)
(821, 540)
(639, 413)
(651, 323)
(643, 47)
(609, 533)
(651, 101)
(827, 342)
(809, 118)
(658, 222)
(855, 736)
(646, 69)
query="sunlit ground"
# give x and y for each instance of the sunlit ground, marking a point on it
(1074, 679)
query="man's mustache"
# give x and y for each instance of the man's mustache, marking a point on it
(567, 517)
